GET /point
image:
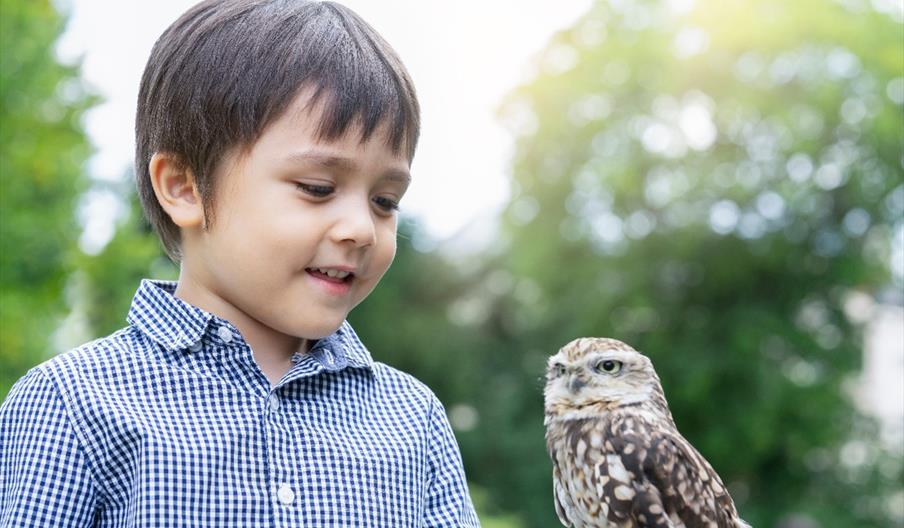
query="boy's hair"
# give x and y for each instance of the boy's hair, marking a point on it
(226, 69)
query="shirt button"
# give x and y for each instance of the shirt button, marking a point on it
(225, 334)
(196, 347)
(285, 494)
(274, 402)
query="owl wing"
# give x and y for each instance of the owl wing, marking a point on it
(652, 475)
(686, 484)
(560, 495)
(627, 496)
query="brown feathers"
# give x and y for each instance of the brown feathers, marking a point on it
(618, 459)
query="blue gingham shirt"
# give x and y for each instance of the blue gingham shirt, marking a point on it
(169, 422)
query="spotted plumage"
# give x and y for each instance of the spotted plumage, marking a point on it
(618, 459)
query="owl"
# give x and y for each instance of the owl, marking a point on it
(618, 459)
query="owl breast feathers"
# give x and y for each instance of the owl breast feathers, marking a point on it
(618, 459)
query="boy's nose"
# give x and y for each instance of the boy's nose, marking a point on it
(356, 225)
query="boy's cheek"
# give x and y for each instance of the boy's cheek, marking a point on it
(381, 265)
(393, 245)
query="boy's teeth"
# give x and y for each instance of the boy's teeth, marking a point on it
(333, 273)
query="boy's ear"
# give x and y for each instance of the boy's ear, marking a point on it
(174, 185)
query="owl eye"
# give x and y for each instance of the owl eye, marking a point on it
(609, 366)
(558, 369)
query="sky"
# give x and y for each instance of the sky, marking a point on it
(464, 57)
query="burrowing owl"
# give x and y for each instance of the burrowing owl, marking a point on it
(618, 460)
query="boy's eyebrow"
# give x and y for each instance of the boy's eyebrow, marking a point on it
(342, 163)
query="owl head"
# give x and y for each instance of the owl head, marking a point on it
(592, 375)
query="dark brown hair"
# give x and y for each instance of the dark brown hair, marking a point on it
(226, 69)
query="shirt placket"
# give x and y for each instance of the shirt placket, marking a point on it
(286, 456)
(238, 359)
(281, 460)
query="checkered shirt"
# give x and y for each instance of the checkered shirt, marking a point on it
(169, 422)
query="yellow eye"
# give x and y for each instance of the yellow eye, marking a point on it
(609, 366)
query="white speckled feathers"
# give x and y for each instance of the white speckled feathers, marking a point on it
(618, 459)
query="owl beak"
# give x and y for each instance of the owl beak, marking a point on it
(576, 384)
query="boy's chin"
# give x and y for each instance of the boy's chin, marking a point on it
(318, 331)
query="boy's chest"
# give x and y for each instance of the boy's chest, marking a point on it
(322, 452)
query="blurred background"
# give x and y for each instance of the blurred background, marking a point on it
(719, 183)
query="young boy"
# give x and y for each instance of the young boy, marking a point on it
(274, 139)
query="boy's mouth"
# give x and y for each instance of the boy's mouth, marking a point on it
(331, 274)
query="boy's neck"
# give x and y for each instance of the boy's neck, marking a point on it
(272, 350)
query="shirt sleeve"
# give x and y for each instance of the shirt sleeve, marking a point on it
(448, 503)
(44, 477)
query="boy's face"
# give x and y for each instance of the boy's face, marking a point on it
(292, 208)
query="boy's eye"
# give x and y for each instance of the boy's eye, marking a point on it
(319, 191)
(322, 191)
(386, 204)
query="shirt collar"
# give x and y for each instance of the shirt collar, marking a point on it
(176, 324)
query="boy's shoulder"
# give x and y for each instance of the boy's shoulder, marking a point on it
(399, 382)
(386, 375)
(105, 355)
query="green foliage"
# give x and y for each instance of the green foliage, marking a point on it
(107, 281)
(709, 187)
(42, 150)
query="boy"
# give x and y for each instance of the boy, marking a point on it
(273, 139)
